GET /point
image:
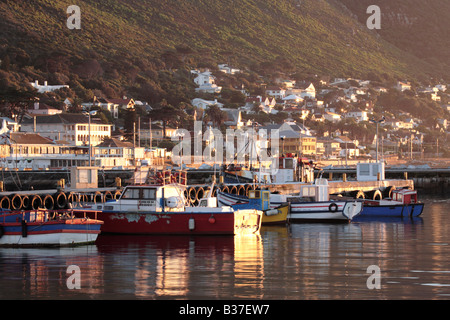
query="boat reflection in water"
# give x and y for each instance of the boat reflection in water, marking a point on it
(186, 266)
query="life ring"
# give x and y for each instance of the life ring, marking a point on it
(333, 207)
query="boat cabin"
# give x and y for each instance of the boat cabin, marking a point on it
(263, 195)
(405, 196)
(140, 198)
(317, 191)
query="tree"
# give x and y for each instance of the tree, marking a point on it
(168, 114)
(216, 115)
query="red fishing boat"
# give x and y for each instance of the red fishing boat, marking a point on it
(160, 207)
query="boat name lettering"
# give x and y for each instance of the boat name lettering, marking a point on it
(147, 202)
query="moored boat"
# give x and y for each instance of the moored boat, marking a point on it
(311, 204)
(404, 203)
(257, 199)
(46, 228)
(162, 208)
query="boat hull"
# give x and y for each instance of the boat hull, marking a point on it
(181, 223)
(394, 210)
(281, 217)
(51, 233)
(325, 211)
(301, 211)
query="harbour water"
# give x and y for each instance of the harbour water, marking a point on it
(369, 260)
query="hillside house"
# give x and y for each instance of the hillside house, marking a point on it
(43, 109)
(205, 104)
(277, 92)
(70, 127)
(304, 90)
(332, 117)
(7, 125)
(206, 82)
(225, 68)
(358, 115)
(46, 87)
(402, 86)
(104, 104)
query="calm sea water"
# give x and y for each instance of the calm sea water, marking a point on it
(296, 262)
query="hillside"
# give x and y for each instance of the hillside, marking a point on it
(132, 47)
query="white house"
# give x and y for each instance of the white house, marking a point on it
(227, 69)
(46, 87)
(331, 116)
(276, 92)
(105, 104)
(8, 125)
(42, 108)
(358, 115)
(70, 127)
(205, 104)
(206, 82)
(402, 86)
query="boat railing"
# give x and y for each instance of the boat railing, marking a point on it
(44, 215)
(165, 177)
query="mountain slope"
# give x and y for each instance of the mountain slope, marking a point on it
(123, 45)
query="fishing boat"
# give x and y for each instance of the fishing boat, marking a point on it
(403, 203)
(161, 207)
(46, 228)
(312, 203)
(257, 199)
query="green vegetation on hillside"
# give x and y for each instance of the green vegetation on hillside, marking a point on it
(145, 49)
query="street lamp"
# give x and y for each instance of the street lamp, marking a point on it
(377, 122)
(89, 114)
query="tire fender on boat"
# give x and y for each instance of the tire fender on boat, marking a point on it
(7, 200)
(61, 200)
(333, 207)
(16, 202)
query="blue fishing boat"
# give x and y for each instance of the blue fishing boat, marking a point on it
(46, 228)
(403, 203)
(259, 200)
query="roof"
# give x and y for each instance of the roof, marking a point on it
(115, 143)
(29, 138)
(65, 118)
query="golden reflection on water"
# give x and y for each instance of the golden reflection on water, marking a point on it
(248, 265)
